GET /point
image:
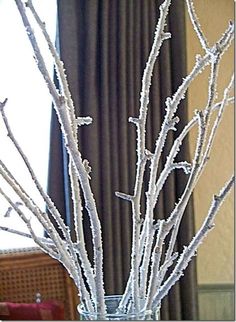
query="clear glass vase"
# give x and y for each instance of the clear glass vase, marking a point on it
(112, 303)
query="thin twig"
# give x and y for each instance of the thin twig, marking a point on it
(190, 251)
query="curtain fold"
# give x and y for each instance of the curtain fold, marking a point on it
(105, 45)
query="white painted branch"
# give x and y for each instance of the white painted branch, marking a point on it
(190, 251)
(146, 257)
(52, 252)
(215, 60)
(164, 174)
(176, 147)
(77, 206)
(122, 308)
(171, 107)
(160, 36)
(30, 204)
(140, 123)
(124, 196)
(167, 264)
(222, 45)
(44, 240)
(205, 156)
(59, 68)
(196, 169)
(201, 62)
(206, 153)
(176, 215)
(78, 222)
(181, 205)
(86, 120)
(72, 148)
(158, 280)
(212, 87)
(166, 126)
(40, 241)
(63, 256)
(145, 287)
(90, 206)
(38, 56)
(226, 39)
(156, 259)
(74, 123)
(196, 25)
(52, 209)
(174, 150)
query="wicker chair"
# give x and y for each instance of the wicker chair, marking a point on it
(26, 272)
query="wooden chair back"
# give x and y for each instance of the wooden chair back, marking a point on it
(26, 272)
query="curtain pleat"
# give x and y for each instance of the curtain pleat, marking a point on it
(105, 45)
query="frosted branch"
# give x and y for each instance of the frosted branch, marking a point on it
(218, 119)
(190, 251)
(124, 196)
(196, 25)
(79, 121)
(84, 120)
(59, 68)
(63, 256)
(52, 208)
(171, 107)
(71, 145)
(26, 235)
(203, 125)
(147, 283)
(39, 241)
(159, 37)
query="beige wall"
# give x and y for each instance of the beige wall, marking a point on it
(216, 254)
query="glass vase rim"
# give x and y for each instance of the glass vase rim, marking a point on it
(107, 315)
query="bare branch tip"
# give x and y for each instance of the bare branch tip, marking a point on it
(166, 35)
(87, 166)
(134, 120)
(148, 154)
(84, 120)
(186, 166)
(171, 123)
(2, 104)
(124, 196)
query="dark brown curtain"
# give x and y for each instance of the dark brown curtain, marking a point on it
(104, 45)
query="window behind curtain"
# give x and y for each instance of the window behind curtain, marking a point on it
(28, 109)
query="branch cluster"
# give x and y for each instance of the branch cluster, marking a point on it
(148, 282)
